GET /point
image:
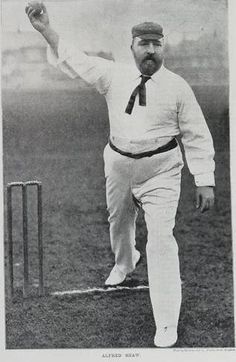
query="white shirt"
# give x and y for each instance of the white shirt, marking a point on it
(171, 109)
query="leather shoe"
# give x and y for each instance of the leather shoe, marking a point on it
(116, 276)
(166, 337)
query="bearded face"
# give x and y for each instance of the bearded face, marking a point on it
(148, 54)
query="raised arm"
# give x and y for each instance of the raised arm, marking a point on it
(67, 56)
(39, 19)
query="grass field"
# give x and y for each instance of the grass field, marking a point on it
(58, 138)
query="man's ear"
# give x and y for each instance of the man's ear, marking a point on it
(132, 44)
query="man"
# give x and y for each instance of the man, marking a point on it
(148, 106)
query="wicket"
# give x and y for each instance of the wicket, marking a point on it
(24, 186)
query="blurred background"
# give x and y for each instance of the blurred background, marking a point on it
(195, 36)
(196, 45)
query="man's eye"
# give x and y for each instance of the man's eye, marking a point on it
(145, 43)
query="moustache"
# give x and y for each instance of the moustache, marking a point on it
(149, 57)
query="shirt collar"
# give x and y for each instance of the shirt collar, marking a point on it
(154, 77)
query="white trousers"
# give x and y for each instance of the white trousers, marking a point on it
(153, 182)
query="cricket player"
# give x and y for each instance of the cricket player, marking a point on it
(148, 107)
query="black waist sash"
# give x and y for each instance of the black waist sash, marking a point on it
(169, 146)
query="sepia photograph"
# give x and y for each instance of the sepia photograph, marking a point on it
(116, 176)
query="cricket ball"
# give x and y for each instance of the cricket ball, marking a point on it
(37, 8)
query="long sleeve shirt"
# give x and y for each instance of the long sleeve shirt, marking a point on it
(171, 108)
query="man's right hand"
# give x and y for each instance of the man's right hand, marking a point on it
(40, 21)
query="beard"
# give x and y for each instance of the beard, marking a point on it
(149, 65)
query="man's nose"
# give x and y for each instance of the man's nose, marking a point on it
(150, 49)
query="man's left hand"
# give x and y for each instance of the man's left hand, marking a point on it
(204, 198)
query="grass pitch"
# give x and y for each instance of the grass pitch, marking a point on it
(58, 138)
